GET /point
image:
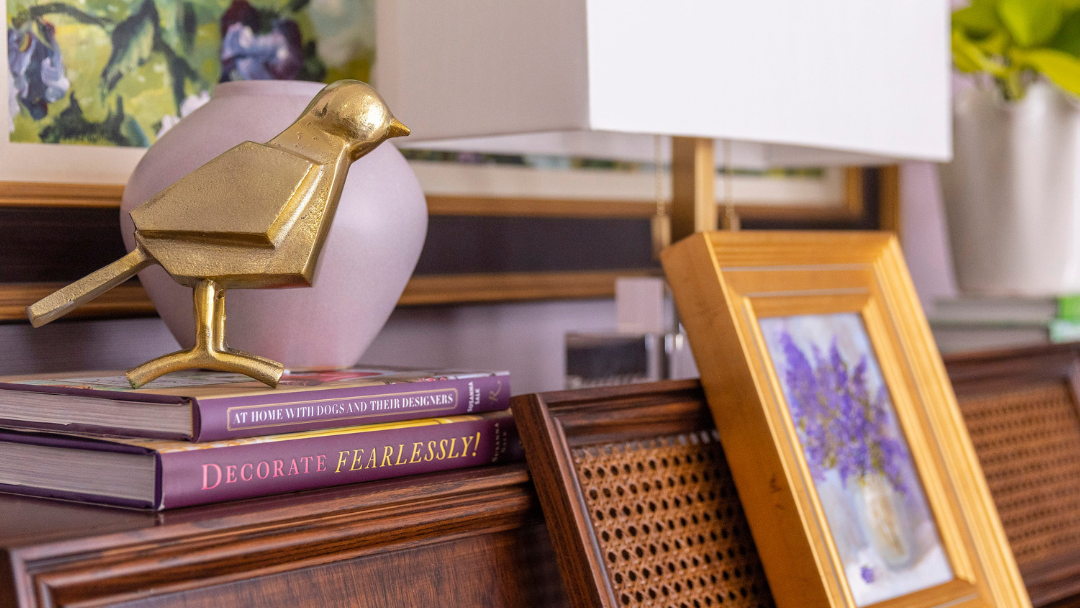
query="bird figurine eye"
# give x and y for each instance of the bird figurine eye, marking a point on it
(269, 234)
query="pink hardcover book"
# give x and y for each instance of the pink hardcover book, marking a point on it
(164, 474)
(210, 406)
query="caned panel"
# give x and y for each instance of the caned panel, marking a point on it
(669, 524)
(1028, 442)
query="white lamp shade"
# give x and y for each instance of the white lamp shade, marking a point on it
(870, 78)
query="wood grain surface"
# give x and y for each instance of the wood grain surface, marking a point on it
(466, 538)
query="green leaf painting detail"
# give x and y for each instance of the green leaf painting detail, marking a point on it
(122, 72)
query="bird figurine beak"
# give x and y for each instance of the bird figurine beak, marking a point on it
(396, 129)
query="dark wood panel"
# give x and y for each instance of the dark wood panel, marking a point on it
(53, 244)
(477, 244)
(496, 570)
(61, 236)
(472, 537)
(479, 249)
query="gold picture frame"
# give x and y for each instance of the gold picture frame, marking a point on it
(859, 480)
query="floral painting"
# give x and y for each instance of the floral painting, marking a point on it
(874, 503)
(122, 72)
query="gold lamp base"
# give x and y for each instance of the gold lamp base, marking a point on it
(210, 351)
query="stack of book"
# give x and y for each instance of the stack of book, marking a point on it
(976, 323)
(199, 437)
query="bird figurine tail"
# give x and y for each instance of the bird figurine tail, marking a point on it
(62, 301)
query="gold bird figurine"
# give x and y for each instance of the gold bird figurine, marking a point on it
(255, 217)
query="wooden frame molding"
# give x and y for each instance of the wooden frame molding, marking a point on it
(853, 207)
(128, 300)
(131, 300)
(35, 194)
(506, 287)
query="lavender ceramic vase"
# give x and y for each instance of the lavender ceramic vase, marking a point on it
(370, 253)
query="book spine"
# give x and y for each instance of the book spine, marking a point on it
(228, 472)
(252, 416)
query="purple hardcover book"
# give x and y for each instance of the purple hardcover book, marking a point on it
(211, 406)
(165, 474)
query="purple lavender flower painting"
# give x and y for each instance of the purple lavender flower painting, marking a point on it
(866, 483)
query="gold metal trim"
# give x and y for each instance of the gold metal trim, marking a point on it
(889, 201)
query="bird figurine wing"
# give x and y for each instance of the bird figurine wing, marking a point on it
(217, 202)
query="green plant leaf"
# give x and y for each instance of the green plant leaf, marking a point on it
(977, 20)
(969, 58)
(1031, 22)
(1068, 37)
(1061, 68)
(995, 44)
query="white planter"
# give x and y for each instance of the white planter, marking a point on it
(1012, 193)
(369, 255)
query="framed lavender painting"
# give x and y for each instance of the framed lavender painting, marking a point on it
(846, 424)
(857, 475)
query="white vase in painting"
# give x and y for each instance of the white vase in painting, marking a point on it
(1012, 192)
(884, 520)
(373, 245)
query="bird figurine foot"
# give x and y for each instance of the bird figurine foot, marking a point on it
(210, 350)
(255, 217)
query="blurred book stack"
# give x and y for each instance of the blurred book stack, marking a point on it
(983, 323)
(199, 437)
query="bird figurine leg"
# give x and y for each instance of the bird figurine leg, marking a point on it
(210, 351)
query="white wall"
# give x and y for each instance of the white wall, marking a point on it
(82, 345)
(526, 339)
(923, 234)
